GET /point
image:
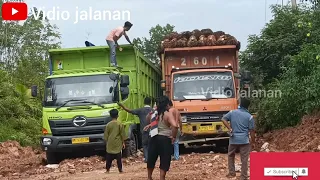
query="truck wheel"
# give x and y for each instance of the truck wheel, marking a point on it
(52, 158)
(223, 145)
(131, 147)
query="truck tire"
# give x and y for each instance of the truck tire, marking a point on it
(52, 157)
(131, 147)
(223, 145)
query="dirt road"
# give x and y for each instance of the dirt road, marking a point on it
(197, 163)
(196, 166)
(26, 163)
(189, 167)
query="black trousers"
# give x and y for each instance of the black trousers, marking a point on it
(160, 146)
(110, 158)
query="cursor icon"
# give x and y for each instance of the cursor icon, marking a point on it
(294, 175)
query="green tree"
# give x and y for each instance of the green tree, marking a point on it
(268, 54)
(149, 46)
(315, 3)
(300, 87)
(286, 57)
(23, 62)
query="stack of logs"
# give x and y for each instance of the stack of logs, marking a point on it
(197, 38)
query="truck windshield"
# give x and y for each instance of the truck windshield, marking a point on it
(203, 85)
(93, 88)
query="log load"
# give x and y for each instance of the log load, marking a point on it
(197, 38)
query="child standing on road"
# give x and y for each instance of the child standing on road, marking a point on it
(114, 136)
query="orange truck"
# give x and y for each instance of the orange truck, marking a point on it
(203, 84)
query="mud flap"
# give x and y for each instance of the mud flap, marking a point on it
(53, 157)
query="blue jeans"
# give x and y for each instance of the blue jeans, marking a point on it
(112, 47)
(176, 146)
(145, 143)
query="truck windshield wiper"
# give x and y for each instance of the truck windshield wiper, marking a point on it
(184, 99)
(67, 101)
(74, 108)
(208, 99)
(85, 101)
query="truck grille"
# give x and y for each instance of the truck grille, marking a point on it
(204, 117)
(66, 127)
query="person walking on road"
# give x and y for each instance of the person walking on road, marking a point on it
(177, 117)
(112, 40)
(163, 135)
(142, 114)
(242, 123)
(114, 136)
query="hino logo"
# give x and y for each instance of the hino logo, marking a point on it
(79, 121)
(205, 117)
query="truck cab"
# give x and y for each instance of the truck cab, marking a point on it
(203, 85)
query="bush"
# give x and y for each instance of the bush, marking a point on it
(20, 115)
(300, 87)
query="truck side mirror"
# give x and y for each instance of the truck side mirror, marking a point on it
(237, 75)
(113, 76)
(124, 81)
(246, 76)
(124, 90)
(34, 91)
(111, 89)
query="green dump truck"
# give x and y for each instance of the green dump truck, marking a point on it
(81, 90)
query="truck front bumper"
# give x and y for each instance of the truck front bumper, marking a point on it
(187, 139)
(64, 143)
(203, 133)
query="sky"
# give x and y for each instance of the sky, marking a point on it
(239, 18)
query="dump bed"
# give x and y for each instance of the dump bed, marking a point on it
(144, 76)
(86, 58)
(198, 57)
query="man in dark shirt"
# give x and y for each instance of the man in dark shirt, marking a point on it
(241, 125)
(142, 114)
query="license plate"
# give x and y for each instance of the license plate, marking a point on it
(206, 128)
(80, 140)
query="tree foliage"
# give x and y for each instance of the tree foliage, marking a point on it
(23, 62)
(286, 57)
(149, 46)
(300, 87)
(268, 54)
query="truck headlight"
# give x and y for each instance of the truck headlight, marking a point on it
(183, 118)
(46, 141)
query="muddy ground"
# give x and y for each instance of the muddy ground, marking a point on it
(196, 163)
